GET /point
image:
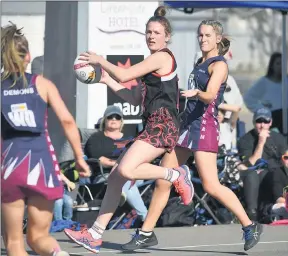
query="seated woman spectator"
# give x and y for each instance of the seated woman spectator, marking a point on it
(107, 145)
(63, 207)
(227, 125)
(267, 92)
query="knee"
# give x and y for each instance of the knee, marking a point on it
(211, 188)
(68, 201)
(31, 239)
(126, 188)
(163, 185)
(251, 174)
(125, 172)
(59, 202)
(12, 242)
(34, 234)
(251, 177)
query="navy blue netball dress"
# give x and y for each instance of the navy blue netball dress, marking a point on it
(28, 162)
(199, 129)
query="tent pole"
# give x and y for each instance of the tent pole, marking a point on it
(284, 73)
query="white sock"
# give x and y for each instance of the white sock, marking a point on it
(96, 230)
(144, 233)
(171, 174)
(55, 251)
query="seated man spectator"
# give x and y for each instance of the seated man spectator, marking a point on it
(258, 143)
(107, 145)
(279, 182)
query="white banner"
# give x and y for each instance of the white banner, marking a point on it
(115, 28)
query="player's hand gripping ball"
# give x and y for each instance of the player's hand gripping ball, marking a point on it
(87, 73)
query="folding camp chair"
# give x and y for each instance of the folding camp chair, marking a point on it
(203, 200)
(146, 186)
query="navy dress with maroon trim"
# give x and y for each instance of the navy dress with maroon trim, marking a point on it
(199, 129)
(28, 162)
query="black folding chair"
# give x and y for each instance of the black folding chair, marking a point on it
(206, 200)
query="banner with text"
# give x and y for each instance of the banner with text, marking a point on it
(116, 29)
(131, 113)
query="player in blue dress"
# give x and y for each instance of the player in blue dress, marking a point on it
(30, 172)
(199, 133)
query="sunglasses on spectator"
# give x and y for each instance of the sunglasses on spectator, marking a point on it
(285, 157)
(117, 117)
(262, 120)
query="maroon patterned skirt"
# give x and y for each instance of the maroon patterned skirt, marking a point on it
(161, 130)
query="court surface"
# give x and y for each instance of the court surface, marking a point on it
(213, 240)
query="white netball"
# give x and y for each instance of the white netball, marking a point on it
(87, 73)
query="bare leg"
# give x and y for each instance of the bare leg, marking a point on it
(133, 158)
(134, 165)
(162, 189)
(207, 168)
(12, 217)
(40, 213)
(111, 198)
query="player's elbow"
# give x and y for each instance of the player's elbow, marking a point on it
(209, 98)
(123, 79)
(124, 76)
(238, 109)
(209, 101)
(67, 121)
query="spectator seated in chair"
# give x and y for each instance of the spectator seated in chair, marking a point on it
(63, 207)
(280, 181)
(107, 145)
(258, 143)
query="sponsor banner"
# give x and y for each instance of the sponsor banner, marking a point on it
(130, 112)
(116, 29)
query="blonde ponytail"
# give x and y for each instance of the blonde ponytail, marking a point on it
(14, 48)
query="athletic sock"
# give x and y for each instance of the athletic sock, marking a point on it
(96, 230)
(55, 251)
(145, 233)
(171, 174)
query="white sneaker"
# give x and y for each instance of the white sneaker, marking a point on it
(280, 210)
(62, 253)
(122, 199)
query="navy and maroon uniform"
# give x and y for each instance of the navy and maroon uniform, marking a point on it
(199, 129)
(28, 162)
